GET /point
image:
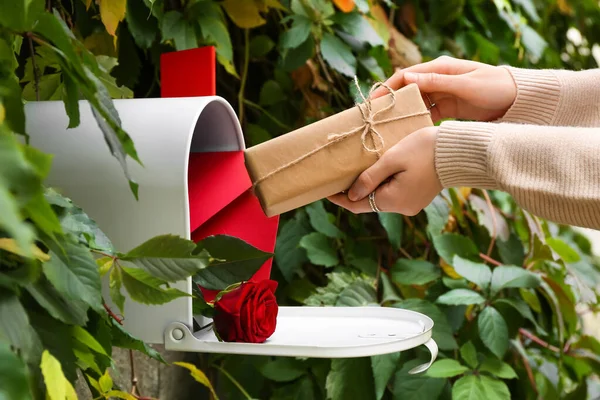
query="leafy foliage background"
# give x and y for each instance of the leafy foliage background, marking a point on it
(505, 289)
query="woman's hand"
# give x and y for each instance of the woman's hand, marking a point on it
(459, 88)
(413, 182)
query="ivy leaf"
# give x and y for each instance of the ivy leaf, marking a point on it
(319, 219)
(338, 55)
(15, 328)
(511, 251)
(198, 376)
(356, 25)
(523, 309)
(213, 29)
(260, 46)
(442, 332)
(14, 376)
(469, 354)
(384, 366)
(167, 257)
(319, 250)
(437, 213)
(87, 339)
(20, 15)
(143, 27)
(75, 275)
(57, 385)
(479, 274)
(245, 14)
(270, 93)
(461, 297)
(494, 389)
(358, 294)
(414, 272)
(105, 382)
(498, 368)
(120, 395)
(297, 34)
(295, 58)
(283, 370)
(122, 338)
(146, 289)
(112, 12)
(446, 368)
(449, 245)
(493, 331)
(288, 254)
(350, 378)
(468, 387)
(174, 26)
(393, 224)
(416, 387)
(233, 261)
(69, 311)
(114, 284)
(564, 251)
(513, 277)
(494, 223)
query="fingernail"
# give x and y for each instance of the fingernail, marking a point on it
(354, 195)
(411, 76)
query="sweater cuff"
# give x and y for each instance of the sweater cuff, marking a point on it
(461, 154)
(538, 93)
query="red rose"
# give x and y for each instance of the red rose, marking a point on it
(248, 313)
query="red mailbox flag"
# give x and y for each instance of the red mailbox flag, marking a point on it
(219, 188)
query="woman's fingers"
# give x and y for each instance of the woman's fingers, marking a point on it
(433, 82)
(388, 165)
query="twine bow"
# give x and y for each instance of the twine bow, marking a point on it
(368, 128)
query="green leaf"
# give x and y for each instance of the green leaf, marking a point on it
(370, 64)
(198, 375)
(39, 211)
(328, 295)
(120, 395)
(529, 8)
(446, 368)
(479, 274)
(564, 251)
(523, 309)
(144, 288)
(494, 389)
(214, 30)
(416, 387)
(513, 277)
(75, 275)
(167, 257)
(442, 332)
(498, 368)
(105, 382)
(493, 331)
(301, 389)
(69, 311)
(455, 283)
(86, 338)
(414, 272)
(449, 245)
(143, 26)
(319, 250)
(297, 34)
(260, 46)
(271, 93)
(492, 220)
(531, 298)
(469, 354)
(20, 15)
(461, 297)
(283, 370)
(393, 224)
(320, 220)
(468, 387)
(338, 55)
(444, 12)
(350, 378)
(358, 294)
(295, 58)
(511, 251)
(114, 284)
(14, 376)
(288, 254)
(233, 260)
(15, 328)
(122, 338)
(174, 26)
(84, 358)
(384, 366)
(357, 26)
(57, 385)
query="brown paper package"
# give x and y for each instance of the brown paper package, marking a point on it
(332, 169)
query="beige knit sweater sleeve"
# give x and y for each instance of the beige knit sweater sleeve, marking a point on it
(545, 151)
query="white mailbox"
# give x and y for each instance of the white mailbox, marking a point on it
(165, 132)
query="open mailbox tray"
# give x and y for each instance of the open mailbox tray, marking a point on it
(165, 132)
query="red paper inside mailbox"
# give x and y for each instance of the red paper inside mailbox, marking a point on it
(222, 203)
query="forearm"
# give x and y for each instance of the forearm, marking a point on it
(555, 98)
(554, 172)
